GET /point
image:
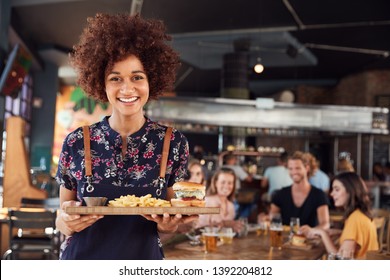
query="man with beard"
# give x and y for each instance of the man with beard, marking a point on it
(301, 199)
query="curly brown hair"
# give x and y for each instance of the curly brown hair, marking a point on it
(108, 39)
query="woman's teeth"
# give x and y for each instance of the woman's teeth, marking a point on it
(130, 99)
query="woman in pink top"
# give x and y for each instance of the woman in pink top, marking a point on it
(221, 194)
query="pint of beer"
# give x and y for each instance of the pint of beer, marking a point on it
(226, 235)
(276, 231)
(210, 240)
(276, 238)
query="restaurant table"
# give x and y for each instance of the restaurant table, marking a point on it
(251, 247)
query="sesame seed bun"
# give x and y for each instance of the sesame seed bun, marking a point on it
(188, 186)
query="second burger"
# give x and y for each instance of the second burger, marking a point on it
(188, 194)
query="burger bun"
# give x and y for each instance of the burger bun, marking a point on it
(180, 203)
(188, 186)
(198, 203)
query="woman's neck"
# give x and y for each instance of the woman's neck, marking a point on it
(126, 125)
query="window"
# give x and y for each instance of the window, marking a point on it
(20, 106)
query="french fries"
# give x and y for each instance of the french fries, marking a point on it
(135, 201)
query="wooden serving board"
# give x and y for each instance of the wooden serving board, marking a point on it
(302, 247)
(198, 248)
(310, 243)
(105, 210)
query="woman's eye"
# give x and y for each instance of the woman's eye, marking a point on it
(114, 79)
(137, 78)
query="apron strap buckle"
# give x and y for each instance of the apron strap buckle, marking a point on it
(89, 188)
(161, 183)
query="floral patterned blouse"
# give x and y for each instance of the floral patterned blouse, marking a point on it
(136, 172)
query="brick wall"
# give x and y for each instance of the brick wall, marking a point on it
(356, 90)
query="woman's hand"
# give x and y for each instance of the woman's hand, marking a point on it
(310, 232)
(236, 225)
(169, 224)
(68, 224)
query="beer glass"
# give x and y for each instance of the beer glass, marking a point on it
(262, 228)
(244, 229)
(226, 235)
(276, 232)
(294, 226)
(210, 240)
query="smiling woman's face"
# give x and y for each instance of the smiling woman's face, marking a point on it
(127, 87)
(225, 184)
(339, 194)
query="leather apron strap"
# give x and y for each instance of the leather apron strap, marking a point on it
(165, 152)
(87, 151)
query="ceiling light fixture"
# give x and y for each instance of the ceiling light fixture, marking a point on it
(259, 68)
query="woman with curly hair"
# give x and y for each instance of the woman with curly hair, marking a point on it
(126, 61)
(359, 233)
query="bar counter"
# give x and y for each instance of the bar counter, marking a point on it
(251, 247)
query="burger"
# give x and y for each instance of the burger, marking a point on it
(188, 194)
(298, 240)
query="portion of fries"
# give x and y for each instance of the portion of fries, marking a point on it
(135, 201)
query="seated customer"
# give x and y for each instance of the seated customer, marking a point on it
(196, 173)
(276, 177)
(301, 199)
(359, 233)
(221, 194)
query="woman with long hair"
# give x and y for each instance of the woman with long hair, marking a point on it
(221, 194)
(359, 232)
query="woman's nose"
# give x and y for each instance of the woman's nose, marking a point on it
(126, 88)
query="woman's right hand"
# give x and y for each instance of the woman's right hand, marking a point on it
(68, 224)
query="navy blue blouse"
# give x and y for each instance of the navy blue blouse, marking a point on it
(137, 172)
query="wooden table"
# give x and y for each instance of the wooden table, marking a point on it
(251, 247)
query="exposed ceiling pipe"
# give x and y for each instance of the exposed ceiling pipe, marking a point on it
(301, 25)
(182, 77)
(136, 6)
(294, 14)
(348, 49)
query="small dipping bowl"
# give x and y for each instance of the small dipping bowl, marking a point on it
(95, 201)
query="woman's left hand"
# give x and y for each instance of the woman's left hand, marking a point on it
(167, 223)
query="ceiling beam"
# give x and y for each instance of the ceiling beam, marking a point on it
(20, 3)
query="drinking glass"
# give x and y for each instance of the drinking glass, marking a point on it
(244, 229)
(226, 235)
(294, 226)
(276, 231)
(210, 240)
(262, 228)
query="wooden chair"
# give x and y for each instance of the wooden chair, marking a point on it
(32, 231)
(382, 220)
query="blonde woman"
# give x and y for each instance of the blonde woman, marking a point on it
(221, 194)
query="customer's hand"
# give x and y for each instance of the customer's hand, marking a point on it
(75, 223)
(310, 232)
(167, 223)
